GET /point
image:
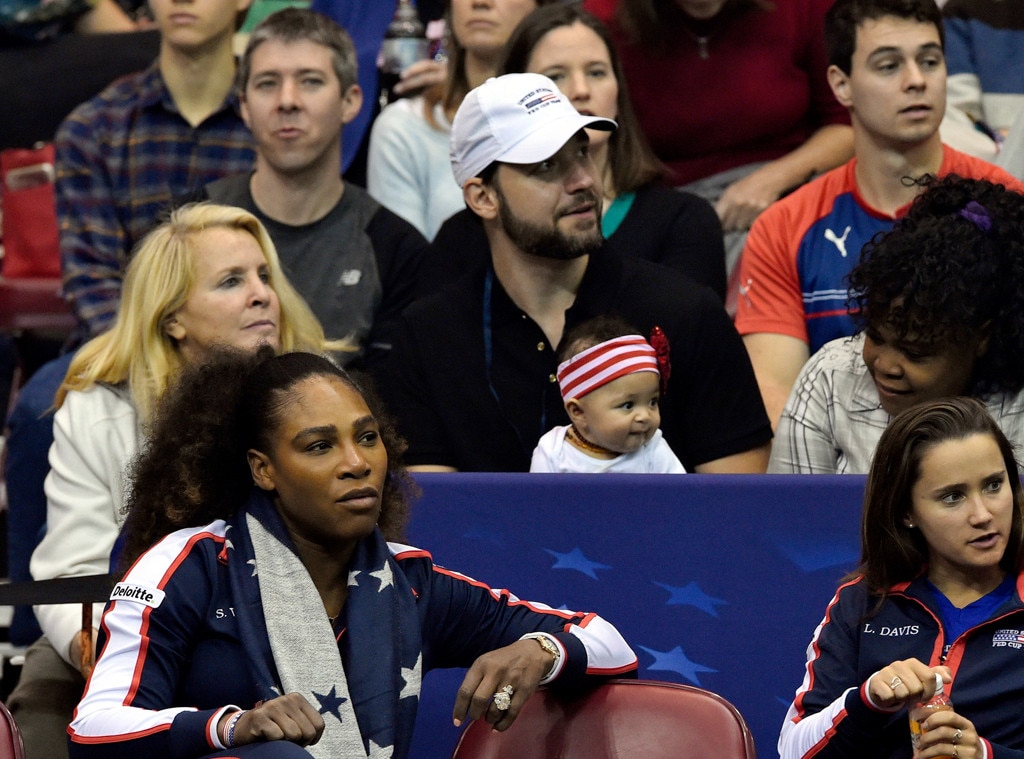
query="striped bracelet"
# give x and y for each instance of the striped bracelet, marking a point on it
(230, 742)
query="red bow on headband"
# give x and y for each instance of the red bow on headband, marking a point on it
(662, 354)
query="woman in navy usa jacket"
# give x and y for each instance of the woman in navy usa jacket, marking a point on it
(938, 591)
(273, 618)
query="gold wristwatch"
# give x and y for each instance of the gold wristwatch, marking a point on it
(548, 645)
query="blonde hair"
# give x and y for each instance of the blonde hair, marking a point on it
(158, 280)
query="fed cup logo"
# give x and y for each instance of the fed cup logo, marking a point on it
(538, 99)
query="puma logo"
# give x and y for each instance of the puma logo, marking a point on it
(839, 242)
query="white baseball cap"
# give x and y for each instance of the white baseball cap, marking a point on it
(516, 118)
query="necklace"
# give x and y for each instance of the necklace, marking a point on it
(703, 31)
(574, 435)
(702, 41)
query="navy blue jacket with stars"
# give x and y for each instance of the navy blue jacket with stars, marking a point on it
(172, 660)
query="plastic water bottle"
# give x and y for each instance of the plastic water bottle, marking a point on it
(405, 42)
(923, 709)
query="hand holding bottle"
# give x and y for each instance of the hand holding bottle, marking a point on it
(421, 75)
(923, 709)
(944, 733)
(937, 730)
(904, 683)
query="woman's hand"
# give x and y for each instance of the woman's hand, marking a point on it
(105, 17)
(84, 664)
(904, 682)
(421, 75)
(745, 198)
(286, 718)
(520, 665)
(948, 734)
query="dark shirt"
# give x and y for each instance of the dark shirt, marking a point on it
(668, 227)
(476, 393)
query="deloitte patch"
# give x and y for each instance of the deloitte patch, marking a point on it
(124, 591)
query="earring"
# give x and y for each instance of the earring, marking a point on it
(910, 524)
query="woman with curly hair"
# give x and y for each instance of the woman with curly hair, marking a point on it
(937, 598)
(941, 301)
(208, 277)
(275, 620)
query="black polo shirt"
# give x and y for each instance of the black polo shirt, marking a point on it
(471, 378)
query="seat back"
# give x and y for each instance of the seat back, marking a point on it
(623, 718)
(11, 746)
(30, 233)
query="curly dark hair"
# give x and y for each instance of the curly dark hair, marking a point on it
(951, 270)
(193, 468)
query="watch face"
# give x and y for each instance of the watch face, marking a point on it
(548, 646)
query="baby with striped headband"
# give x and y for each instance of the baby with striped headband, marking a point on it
(611, 386)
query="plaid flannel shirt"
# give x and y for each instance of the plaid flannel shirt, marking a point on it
(122, 159)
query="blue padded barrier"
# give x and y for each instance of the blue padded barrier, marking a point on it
(716, 581)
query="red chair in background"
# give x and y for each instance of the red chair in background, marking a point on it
(30, 296)
(623, 718)
(10, 737)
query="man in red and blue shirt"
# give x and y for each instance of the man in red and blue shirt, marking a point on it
(887, 67)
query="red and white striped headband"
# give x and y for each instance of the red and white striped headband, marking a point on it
(604, 362)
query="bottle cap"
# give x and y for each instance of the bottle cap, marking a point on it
(939, 687)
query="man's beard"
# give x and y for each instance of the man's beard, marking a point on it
(550, 242)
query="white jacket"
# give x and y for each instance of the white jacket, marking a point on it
(95, 435)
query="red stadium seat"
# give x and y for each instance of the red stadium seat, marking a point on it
(10, 737)
(623, 718)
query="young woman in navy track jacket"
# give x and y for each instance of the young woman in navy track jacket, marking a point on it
(939, 590)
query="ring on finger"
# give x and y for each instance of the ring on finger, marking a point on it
(957, 736)
(956, 754)
(895, 683)
(503, 698)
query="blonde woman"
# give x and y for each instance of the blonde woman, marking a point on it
(207, 278)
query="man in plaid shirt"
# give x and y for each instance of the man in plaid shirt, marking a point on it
(148, 138)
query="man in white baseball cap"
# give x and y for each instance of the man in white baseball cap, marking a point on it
(518, 118)
(525, 122)
(472, 373)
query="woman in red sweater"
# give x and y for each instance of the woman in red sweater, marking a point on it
(732, 95)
